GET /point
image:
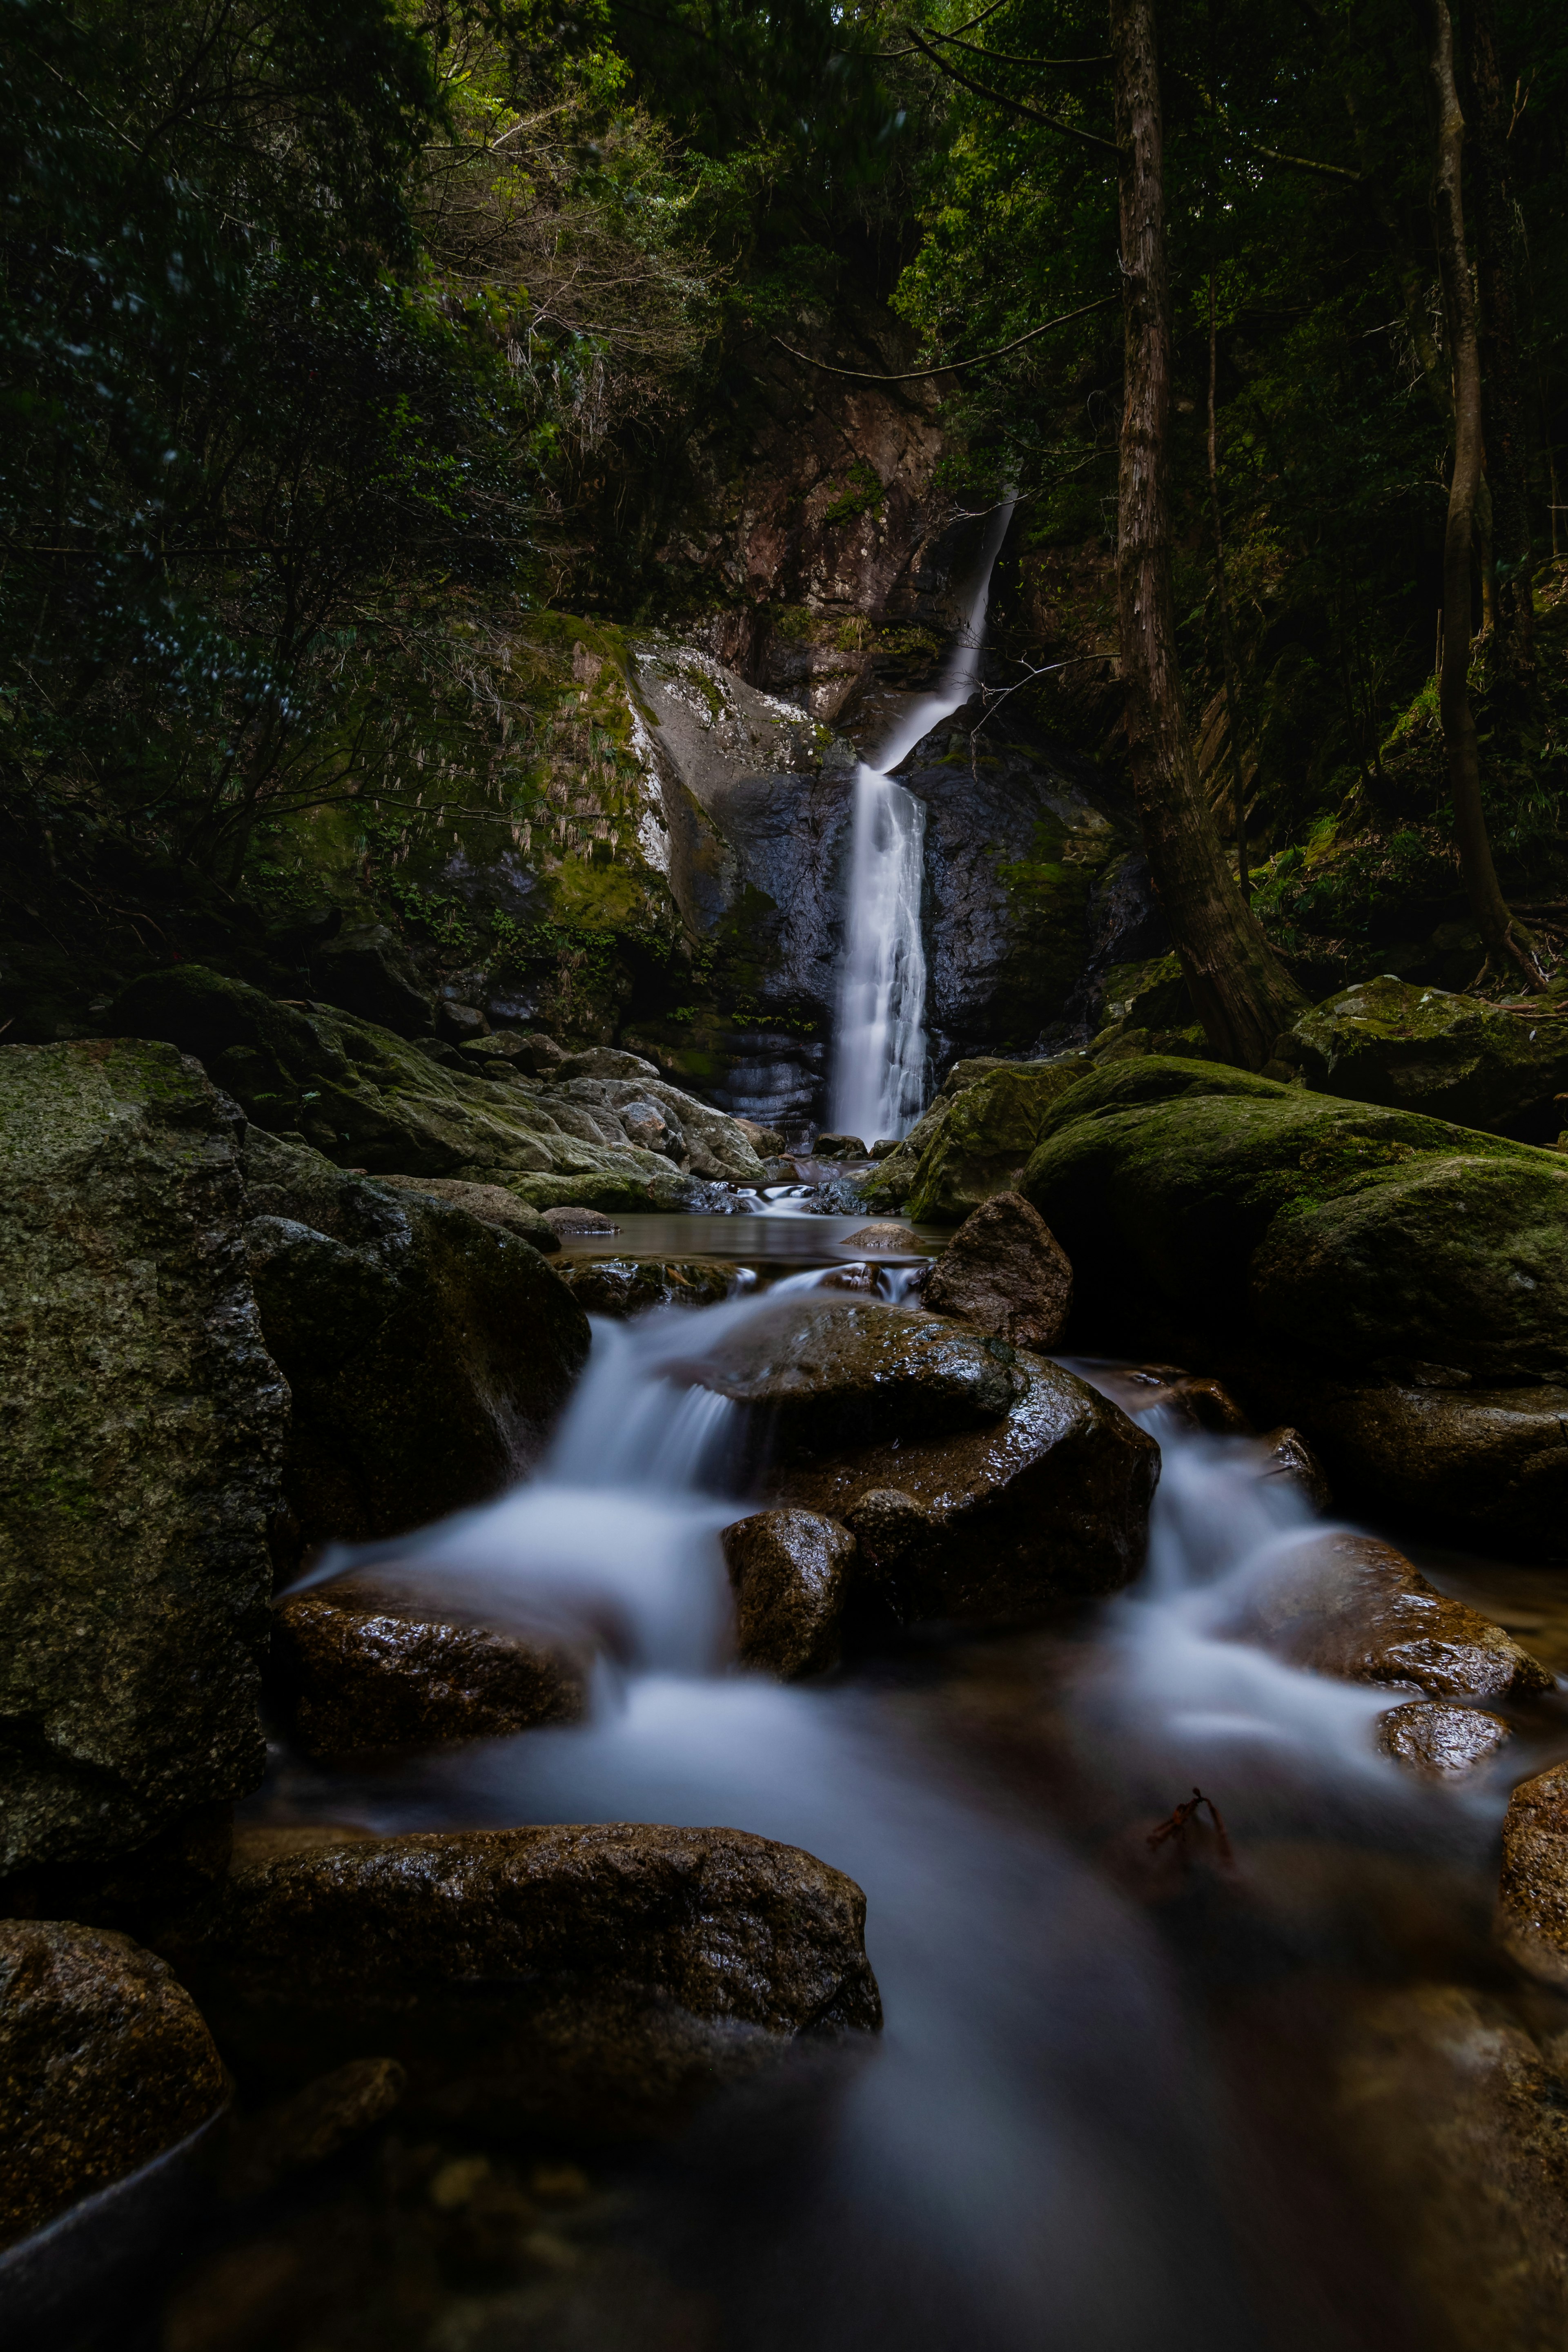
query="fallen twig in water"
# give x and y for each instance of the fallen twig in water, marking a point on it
(1176, 1827)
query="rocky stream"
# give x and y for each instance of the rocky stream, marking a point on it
(625, 1727)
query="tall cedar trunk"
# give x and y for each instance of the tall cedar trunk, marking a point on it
(1502, 391)
(1222, 593)
(1243, 994)
(1459, 545)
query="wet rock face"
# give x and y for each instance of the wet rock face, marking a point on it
(629, 1286)
(1290, 1457)
(601, 1978)
(141, 1462)
(427, 1353)
(104, 2064)
(792, 1573)
(995, 1525)
(1456, 2130)
(1350, 1606)
(819, 1373)
(1455, 1058)
(1441, 1742)
(1014, 848)
(354, 1675)
(1532, 1896)
(1489, 1464)
(1004, 1273)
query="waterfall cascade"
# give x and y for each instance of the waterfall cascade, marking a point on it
(879, 1063)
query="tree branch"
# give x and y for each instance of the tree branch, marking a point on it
(949, 367)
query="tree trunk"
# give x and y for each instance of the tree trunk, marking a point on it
(1226, 640)
(1503, 390)
(1243, 994)
(1486, 903)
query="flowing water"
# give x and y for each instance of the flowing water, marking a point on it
(1087, 2124)
(879, 1049)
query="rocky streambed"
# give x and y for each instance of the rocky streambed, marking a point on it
(865, 1793)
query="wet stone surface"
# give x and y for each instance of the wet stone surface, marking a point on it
(104, 2064)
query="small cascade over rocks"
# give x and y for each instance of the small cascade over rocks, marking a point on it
(879, 1074)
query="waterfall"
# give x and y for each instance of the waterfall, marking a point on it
(879, 1070)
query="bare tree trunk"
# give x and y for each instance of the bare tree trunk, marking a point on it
(1502, 391)
(1493, 918)
(1243, 994)
(1226, 640)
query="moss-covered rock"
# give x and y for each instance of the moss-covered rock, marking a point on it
(1459, 1058)
(971, 1144)
(367, 1097)
(428, 1352)
(1370, 1238)
(140, 1468)
(1374, 1254)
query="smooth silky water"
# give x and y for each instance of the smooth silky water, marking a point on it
(1091, 2120)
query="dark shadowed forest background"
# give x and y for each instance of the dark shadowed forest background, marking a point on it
(372, 369)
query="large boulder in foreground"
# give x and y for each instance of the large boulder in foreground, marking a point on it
(140, 1468)
(1005, 1273)
(998, 1524)
(1334, 1247)
(601, 1978)
(1458, 1057)
(428, 1351)
(104, 2064)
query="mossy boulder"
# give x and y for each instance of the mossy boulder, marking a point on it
(973, 1143)
(428, 1351)
(1366, 1239)
(139, 1475)
(1485, 1065)
(367, 1097)
(1394, 1287)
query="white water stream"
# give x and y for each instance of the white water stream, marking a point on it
(1035, 2154)
(879, 1056)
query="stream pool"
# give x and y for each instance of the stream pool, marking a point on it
(1128, 2094)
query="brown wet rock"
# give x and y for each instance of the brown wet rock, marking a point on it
(104, 2062)
(1195, 1399)
(490, 1203)
(355, 1675)
(1488, 1467)
(893, 1529)
(1048, 1503)
(1004, 1273)
(1438, 1741)
(884, 1237)
(572, 1220)
(838, 1147)
(629, 1286)
(1455, 2126)
(601, 1978)
(792, 1573)
(1288, 1455)
(1351, 1606)
(1532, 1896)
(313, 2125)
(818, 1373)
